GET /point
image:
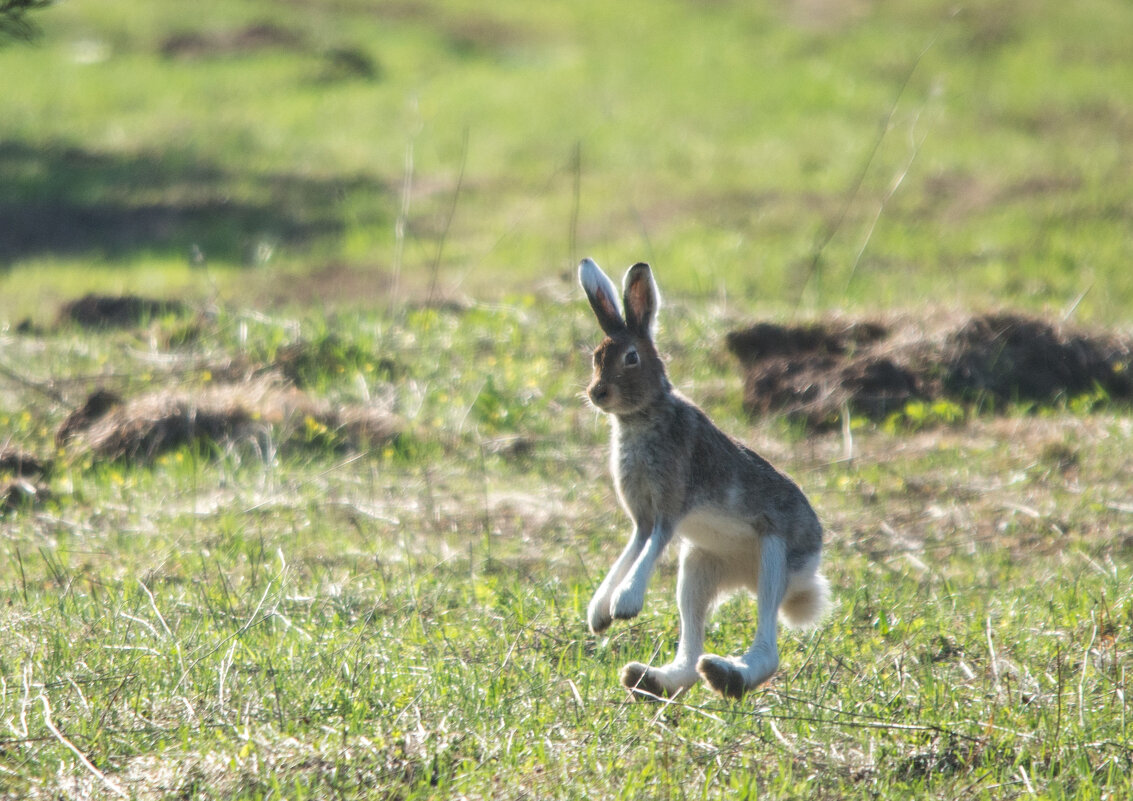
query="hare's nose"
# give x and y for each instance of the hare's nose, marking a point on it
(599, 393)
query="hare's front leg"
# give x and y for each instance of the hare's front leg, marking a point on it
(598, 613)
(629, 595)
(698, 584)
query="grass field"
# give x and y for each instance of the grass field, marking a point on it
(385, 202)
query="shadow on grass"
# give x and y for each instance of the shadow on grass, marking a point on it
(67, 201)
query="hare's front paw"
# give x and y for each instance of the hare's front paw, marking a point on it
(626, 602)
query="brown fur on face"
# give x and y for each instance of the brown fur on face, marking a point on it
(621, 388)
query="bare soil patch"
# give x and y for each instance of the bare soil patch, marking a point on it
(812, 372)
(337, 63)
(329, 284)
(249, 39)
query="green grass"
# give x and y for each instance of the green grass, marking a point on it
(744, 150)
(410, 622)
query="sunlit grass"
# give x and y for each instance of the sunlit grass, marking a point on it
(920, 151)
(410, 621)
(303, 620)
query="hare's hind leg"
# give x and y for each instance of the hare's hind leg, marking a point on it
(733, 676)
(698, 584)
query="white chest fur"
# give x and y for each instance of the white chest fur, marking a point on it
(717, 532)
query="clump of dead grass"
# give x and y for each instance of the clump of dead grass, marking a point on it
(262, 410)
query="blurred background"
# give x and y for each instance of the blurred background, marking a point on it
(781, 155)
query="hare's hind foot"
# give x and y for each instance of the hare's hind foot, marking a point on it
(732, 678)
(651, 684)
(722, 676)
(643, 682)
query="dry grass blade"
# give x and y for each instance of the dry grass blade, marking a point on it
(107, 782)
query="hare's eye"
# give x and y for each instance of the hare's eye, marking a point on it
(631, 358)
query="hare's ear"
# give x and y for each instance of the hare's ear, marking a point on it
(603, 296)
(642, 300)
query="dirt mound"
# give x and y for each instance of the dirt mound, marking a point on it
(1009, 357)
(22, 465)
(97, 404)
(21, 493)
(348, 63)
(198, 45)
(812, 372)
(116, 311)
(21, 479)
(262, 412)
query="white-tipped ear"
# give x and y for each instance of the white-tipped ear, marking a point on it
(603, 296)
(642, 300)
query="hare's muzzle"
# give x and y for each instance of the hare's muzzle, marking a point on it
(599, 393)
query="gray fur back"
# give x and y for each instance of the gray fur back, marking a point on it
(670, 459)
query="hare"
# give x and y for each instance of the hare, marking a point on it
(741, 523)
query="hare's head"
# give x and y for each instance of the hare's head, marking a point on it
(628, 372)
